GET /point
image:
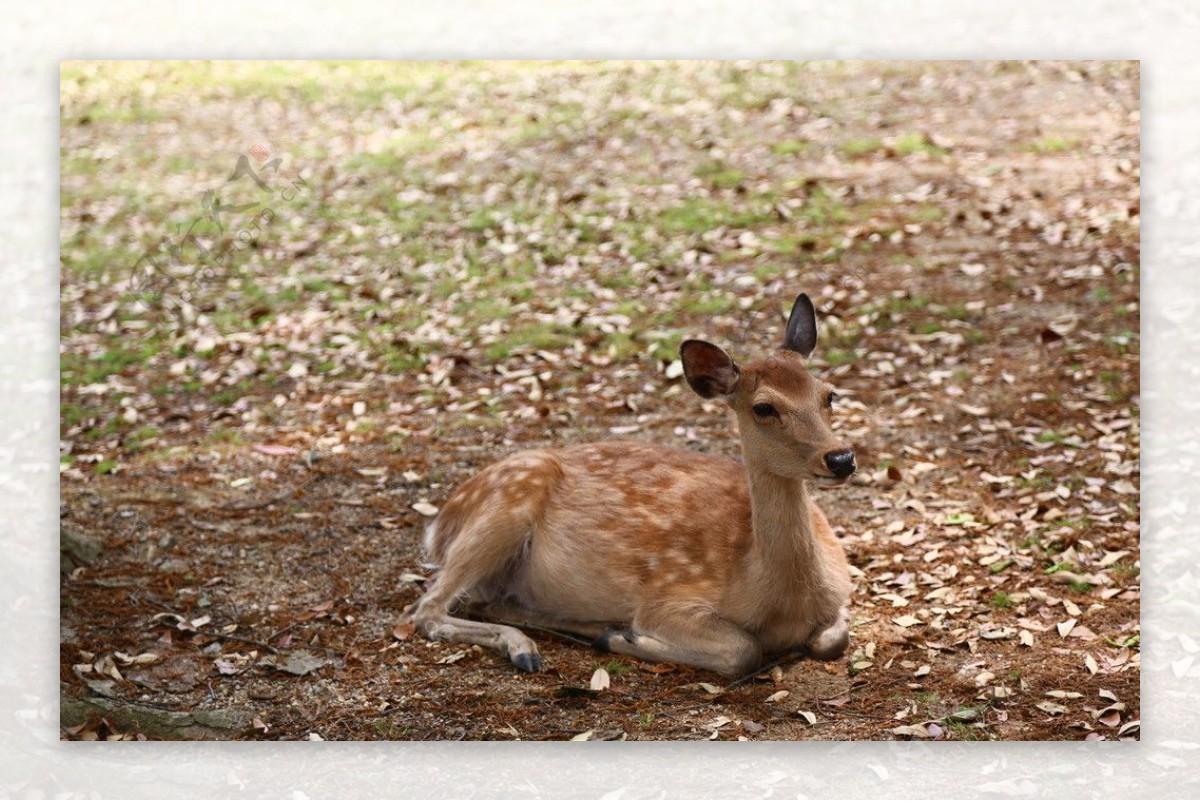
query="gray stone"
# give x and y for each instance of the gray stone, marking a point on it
(156, 724)
(77, 550)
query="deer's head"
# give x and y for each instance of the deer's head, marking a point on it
(783, 410)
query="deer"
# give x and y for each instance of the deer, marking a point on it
(659, 553)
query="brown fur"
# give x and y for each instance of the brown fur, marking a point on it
(689, 557)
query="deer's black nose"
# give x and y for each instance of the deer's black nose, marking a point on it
(840, 463)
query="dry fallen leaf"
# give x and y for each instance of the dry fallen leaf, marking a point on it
(298, 663)
(427, 509)
(917, 731)
(600, 679)
(450, 659)
(274, 450)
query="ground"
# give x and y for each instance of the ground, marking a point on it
(302, 302)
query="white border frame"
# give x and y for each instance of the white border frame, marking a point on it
(1162, 33)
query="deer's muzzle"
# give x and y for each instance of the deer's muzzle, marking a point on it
(840, 463)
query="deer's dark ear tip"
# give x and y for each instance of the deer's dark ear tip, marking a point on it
(695, 345)
(800, 335)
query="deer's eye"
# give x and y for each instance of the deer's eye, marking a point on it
(829, 399)
(764, 410)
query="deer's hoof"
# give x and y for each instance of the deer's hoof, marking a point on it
(530, 663)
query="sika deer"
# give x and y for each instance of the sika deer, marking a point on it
(659, 553)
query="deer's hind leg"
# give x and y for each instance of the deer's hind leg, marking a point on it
(477, 566)
(482, 538)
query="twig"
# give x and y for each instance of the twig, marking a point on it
(828, 710)
(794, 656)
(141, 499)
(243, 640)
(282, 631)
(555, 632)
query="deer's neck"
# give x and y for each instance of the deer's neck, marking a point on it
(784, 540)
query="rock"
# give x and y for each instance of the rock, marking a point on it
(76, 550)
(157, 724)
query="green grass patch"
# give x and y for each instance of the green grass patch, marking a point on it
(1073, 523)
(71, 415)
(394, 155)
(81, 370)
(225, 436)
(956, 311)
(1125, 570)
(790, 147)
(529, 337)
(926, 213)
(861, 147)
(1001, 600)
(807, 242)
(966, 723)
(136, 441)
(717, 303)
(836, 356)
(1052, 144)
(1123, 342)
(719, 175)
(664, 345)
(698, 215)
(821, 208)
(911, 143)
(105, 467)
(615, 667)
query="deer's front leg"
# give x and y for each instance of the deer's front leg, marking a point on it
(700, 638)
(830, 642)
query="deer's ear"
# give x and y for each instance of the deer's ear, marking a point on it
(709, 370)
(801, 335)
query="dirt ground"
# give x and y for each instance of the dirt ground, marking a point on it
(465, 260)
